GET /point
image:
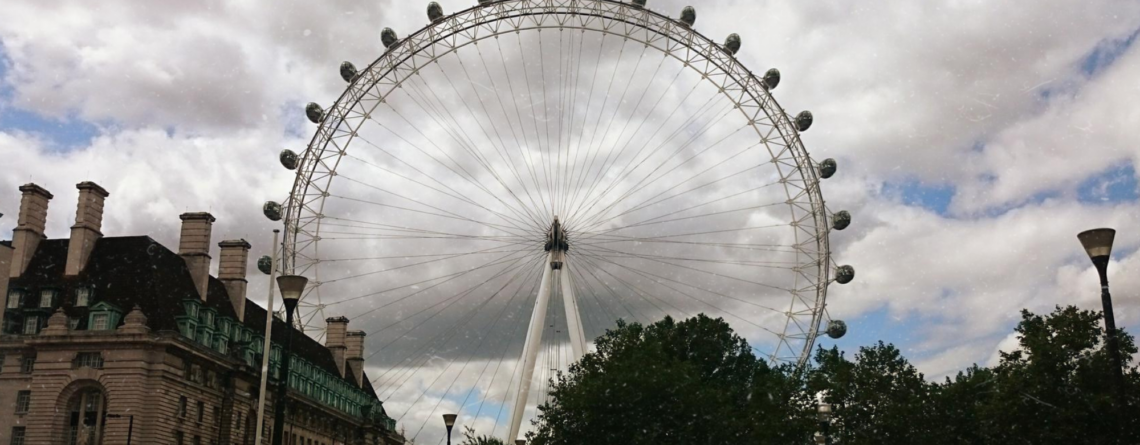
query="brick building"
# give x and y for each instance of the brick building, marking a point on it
(105, 337)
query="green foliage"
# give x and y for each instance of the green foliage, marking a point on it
(696, 382)
(879, 398)
(469, 438)
(686, 382)
(1059, 388)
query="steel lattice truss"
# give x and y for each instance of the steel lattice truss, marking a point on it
(776, 132)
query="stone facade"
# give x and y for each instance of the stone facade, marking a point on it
(111, 337)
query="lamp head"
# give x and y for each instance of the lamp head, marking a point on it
(824, 411)
(1097, 242)
(292, 286)
(449, 420)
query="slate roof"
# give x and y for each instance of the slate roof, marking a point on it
(137, 270)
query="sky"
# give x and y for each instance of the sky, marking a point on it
(974, 141)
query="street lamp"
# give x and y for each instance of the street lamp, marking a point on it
(1098, 244)
(292, 286)
(520, 441)
(824, 423)
(449, 420)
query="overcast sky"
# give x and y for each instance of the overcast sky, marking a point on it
(974, 139)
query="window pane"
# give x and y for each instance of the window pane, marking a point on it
(99, 322)
(46, 297)
(89, 360)
(17, 435)
(14, 297)
(23, 401)
(82, 296)
(31, 325)
(27, 365)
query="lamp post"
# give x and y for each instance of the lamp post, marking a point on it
(449, 421)
(292, 286)
(824, 424)
(1098, 244)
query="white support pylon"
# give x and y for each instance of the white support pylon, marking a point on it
(573, 317)
(530, 348)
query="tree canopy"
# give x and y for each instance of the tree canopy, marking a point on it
(693, 382)
(696, 382)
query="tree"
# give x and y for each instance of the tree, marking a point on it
(469, 438)
(696, 382)
(959, 406)
(688, 382)
(880, 398)
(1058, 388)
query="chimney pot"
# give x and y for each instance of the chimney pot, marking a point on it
(88, 223)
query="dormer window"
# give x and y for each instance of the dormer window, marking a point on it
(47, 297)
(103, 316)
(82, 296)
(31, 325)
(15, 298)
(99, 322)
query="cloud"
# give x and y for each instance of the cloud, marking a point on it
(990, 101)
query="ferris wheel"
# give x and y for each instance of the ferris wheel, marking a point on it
(510, 180)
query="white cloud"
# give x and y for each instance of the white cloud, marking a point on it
(192, 104)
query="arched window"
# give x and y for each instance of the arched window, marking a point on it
(85, 417)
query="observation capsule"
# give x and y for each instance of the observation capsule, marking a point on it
(772, 78)
(688, 16)
(483, 2)
(435, 12)
(827, 168)
(803, 120)
(840, 220)
(844, 274)
(347, 71)
(639, 4)
(272, 210)
(836, 329)
(314, 113)
(265, 264)
(732, 43)
(288, 159)
(388, 37)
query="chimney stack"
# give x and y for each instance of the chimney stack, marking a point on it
(30, 227)
(231, 271)
(88, 223)
(354, 354)
(194, 247)
(335, 340)
(5, 266)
